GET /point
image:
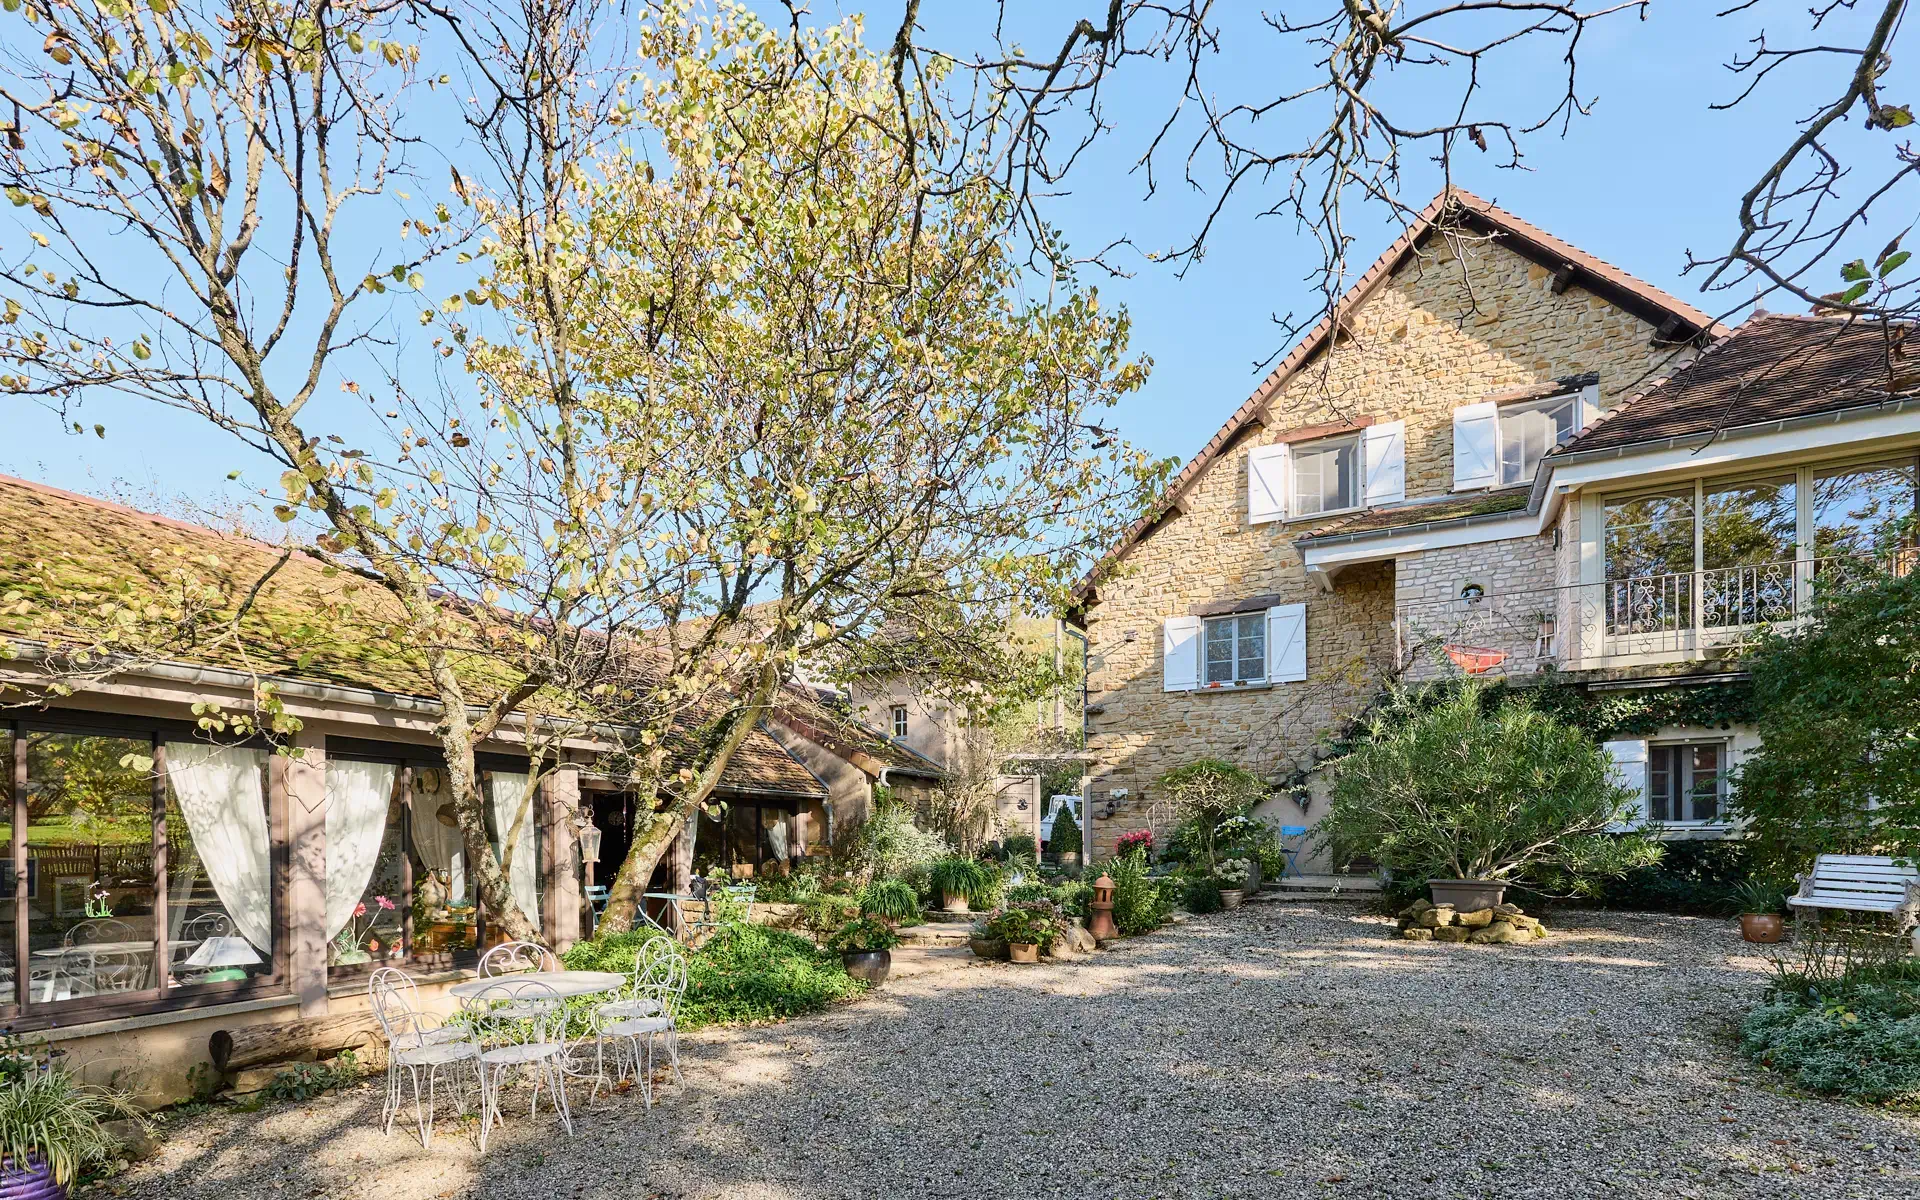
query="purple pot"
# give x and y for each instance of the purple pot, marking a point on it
(34, 1184)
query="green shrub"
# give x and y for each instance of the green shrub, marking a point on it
(863, 933)
(1201, 894)
(1860, 1047)
(1018, 849)
(1066, 834)
(48, 1115)
(828, 911)
(1446, 789)
(1140, 904)
(1028, 923)
(1696, 876)
(888, 843)
(1073, 896)
(304, 1081)
(893, 899)
(743, 973)
(959, 875)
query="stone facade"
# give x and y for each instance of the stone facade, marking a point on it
(1444, 330)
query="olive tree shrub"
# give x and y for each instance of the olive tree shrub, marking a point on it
(1204, 794)
(1443, 787)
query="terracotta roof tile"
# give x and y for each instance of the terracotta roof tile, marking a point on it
(1771, 368)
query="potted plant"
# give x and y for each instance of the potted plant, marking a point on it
(1233, 874)
(1468, 793)
(865, 946)
(52, 1127)
(1028, 928)
(1138, 841)
(892, 900)
(960, 880)
(1762, 904)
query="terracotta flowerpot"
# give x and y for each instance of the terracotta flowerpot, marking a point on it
(1023, 954)
(33, 1184)
(1232, 897)
(1766, 928)
(954, 904)
(1467, 895)
(870, 965)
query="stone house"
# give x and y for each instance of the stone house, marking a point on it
(1508, 458)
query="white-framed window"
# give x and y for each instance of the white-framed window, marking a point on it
(1236, 649)
(1686, 781)
(1326, 476)
(1528, 430)
(1501, 445)
(899, 720)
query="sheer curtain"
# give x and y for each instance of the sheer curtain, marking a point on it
(439, 846)
(357, 797)
(513, 822)
(219, 793)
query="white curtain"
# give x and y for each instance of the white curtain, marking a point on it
(440, 846)
(357, 797)
(513, 822)
(219, 792)
(777, 835)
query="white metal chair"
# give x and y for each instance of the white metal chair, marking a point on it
(417, 1042)
(633, 1036)
(523, 1028)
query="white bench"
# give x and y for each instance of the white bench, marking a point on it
(1862, 883)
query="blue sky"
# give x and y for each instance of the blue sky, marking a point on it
(1650, 174)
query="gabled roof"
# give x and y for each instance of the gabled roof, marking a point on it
(825, 719)
(1772, 368)
(1674, 319)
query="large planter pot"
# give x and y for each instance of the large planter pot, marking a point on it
(991, 949)
(1232, 897)
(954, 904)
(1023, 953)
(33, 1184)
(1467, 895)
(870, 965)
(1765, 928)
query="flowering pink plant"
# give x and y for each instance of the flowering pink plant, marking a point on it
(355, 935)
(1139, 839)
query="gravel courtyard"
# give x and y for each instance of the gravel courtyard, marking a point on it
(1280, 1050)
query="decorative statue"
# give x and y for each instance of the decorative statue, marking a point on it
(433, 891)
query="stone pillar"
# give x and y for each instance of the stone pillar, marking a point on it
(560, 913)
(305, 781)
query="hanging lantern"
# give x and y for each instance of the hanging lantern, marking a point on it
(590, 843)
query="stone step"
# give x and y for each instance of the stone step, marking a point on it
(940, 935)
(938, 916)
(1315, 887)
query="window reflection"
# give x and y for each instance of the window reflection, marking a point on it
(1649, 553)
(1855, 511)
(1747, 543)
(219, 865)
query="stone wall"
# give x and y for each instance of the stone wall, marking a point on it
(1516, 577)
(1439, 333)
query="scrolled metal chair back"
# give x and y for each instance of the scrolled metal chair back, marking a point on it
(517, 1012)
(392, 993)
(517, 958)
(96, 930)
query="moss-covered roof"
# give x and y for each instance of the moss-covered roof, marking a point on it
(71, 564)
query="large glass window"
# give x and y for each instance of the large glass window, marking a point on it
(1237, 649)
(90, 908)
(445, 917)
(1326, 476)
(1528, 431)
(1855, 510)
(1649, 552)
(220, 914)
(1747, 541)
(1685, 782)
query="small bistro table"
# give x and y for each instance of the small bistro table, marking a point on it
(566, 985)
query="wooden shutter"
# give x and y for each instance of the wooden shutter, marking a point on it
(1267, 484)
(1384, 454)
(1287, 643)
(1476, 445)
(1630, 770)
(1180, 653)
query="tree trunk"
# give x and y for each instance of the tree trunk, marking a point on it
(490, 881)
(254, 1045)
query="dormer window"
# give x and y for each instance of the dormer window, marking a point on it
(1326, 476)
(1530, 429)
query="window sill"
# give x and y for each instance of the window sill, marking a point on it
(1227, 689)
(1323, 516)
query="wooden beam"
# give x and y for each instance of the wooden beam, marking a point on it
(1563, 279)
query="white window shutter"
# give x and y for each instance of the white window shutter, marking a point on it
(1180, 653)
(1384, 450)
(1287, 643)
(1267, 484)
(1476, 445)
(1629, 769)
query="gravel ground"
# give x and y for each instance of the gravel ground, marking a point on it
(1280, 1050)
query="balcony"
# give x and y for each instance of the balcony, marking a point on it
(1643, 620)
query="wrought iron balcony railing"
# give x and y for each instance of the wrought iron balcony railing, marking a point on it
(1639, 619)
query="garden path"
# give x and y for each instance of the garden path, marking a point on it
(1282, 1050)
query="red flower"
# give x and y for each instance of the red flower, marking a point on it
(360, 910)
